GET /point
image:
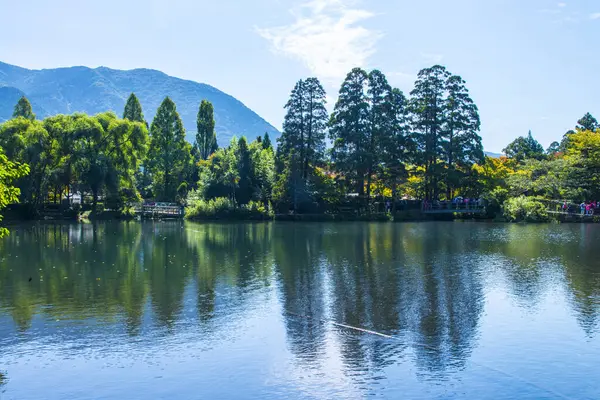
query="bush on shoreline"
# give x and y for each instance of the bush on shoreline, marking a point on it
(222, 208)
(525, 209)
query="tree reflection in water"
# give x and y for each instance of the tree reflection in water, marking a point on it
(424, 284)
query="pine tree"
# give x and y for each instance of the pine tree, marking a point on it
(133, 110)
(588, 123)
(23, 109)
(168, 155)
(244, 166)
(348, 129)
(524, 148)
(304, 125)
(266, 142)
(462, 143)
(428, 107)
(206, 138)
(316, 122)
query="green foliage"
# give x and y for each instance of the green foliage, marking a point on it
(525, 148)
(9, 172)
(206, 138)
(222, 208)
(133, 110)
(348, 129)
(23, 109)
(169, 156)
(303, 129)
(266, 142)
(587, 123)
(525, 209)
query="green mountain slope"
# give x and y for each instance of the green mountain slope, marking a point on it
(68, 90)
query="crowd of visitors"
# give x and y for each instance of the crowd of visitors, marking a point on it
(585, 208)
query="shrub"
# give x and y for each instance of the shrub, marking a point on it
(223, 208)
(526, 209)
(494, 201)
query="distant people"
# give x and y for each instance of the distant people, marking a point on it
(387, 206)
(565, 207)
(582, 208)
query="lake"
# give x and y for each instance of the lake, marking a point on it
(446, 310)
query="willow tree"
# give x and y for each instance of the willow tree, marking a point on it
(23, 109)
(9, 172)
(168, 155)
(206, 138)
(27, 142)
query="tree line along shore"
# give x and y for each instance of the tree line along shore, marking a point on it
(379, 152)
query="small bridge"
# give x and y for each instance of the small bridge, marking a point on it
(159, 210)
(568, 209)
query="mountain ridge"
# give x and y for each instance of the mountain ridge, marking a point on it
(65, 90)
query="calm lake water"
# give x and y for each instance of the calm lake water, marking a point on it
(300, 311)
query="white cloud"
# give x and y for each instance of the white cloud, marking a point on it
(326, 36)
(595, 16)
(561, 5)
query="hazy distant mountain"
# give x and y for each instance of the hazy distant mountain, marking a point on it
(493, 155)
(67, 90)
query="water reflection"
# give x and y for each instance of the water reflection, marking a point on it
(424, 284)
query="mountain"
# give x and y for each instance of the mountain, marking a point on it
(68, 90)
(493, 155)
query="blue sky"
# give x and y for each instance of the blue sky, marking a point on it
(529, 64)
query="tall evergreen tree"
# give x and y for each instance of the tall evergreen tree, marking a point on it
(206, 138)
(428, 107)
(397, 146)
(133, 110)
(524, 148)
(23, 109)
(348, 129)
(587, 123)
(244, 166)
(168, 155)
(304, 125)
(381, 123)
(462, 143)
(266, 142)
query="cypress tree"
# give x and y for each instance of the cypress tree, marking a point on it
(133, 110)
(427, 106)
(462, 143)
(348, 129)
(381, 120)
(23, 109)
(168, 155)
(244, 167)
(206, 138)
(266, 142)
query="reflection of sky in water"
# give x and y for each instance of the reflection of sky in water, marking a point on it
(254, 310)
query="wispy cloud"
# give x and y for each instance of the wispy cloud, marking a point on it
(326, 36)
(595, 15)
(433, 58)
(561, 14)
